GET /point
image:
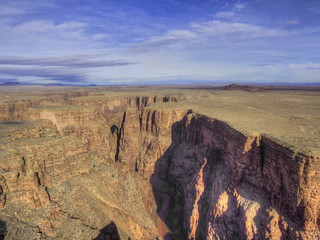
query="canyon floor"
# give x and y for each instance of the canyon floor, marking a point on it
(159, 162)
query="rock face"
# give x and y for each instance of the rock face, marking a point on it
(237, 186)
(81, 166)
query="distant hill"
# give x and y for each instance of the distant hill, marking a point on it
(256, 88)
(12, 84)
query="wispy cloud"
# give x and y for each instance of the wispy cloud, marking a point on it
(57, 40)
(292, 22)
(239, 6)
(224, 14)
(172, 38)
(49, 36)
(306, 66)
(215, 32)
(233, 30)
(60, 69)
(231, 13)
(59, 74)
(261, 64)
(78, 61)
(10, 11)
(73, 30)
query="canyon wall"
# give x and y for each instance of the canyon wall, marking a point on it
(70, 169)
(234, 185)
(78, 167)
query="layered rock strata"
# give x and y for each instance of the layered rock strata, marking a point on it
(233, 185)
(91, 166)
(68, 167)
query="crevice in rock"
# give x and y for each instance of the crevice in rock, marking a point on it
(140, 120)
(166, 99)
(123, 121)
(37, 178)
(47, 191)
(153, 123)
(262, 155)
(114, 129)
(147, 122)
(23, 165)
(138, 102)
(120, 136)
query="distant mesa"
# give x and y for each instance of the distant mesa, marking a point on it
(265, 87)
(235, 86)
(12, 84)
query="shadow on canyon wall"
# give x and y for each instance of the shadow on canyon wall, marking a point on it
(3, 229)
(169, 206)
(174, 210)
(110, 232)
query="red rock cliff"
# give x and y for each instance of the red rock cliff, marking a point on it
(254, 186)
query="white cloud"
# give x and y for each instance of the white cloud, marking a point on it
(75, 61)
(48, 36)
(10, 11)
(53, 73)
(208, 33)
(172, 38)
(233, 30)
(224, 14)
(232, 13)
(239, 6)
(60, 68)
(71, 29)
(292, 22)
(180, 34)
(306, 66)
(100, 36)
(307, 72)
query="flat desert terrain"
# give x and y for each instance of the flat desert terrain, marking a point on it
(292, 116)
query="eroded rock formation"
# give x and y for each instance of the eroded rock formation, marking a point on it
(250, 187)
(85, 166)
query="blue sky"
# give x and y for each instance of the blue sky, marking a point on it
(159, 41)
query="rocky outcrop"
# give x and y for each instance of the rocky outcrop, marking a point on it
(14, 110)
(36, 158)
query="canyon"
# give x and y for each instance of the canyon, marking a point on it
(159, 163)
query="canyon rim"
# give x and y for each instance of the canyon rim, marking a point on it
(233, 162)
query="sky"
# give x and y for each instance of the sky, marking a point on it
(110, 42)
